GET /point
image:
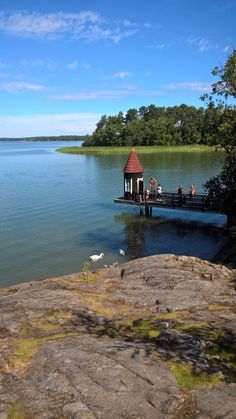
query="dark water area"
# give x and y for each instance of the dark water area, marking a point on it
(56, 210)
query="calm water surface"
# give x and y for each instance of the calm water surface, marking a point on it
(57, 209)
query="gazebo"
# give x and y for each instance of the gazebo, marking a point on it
(133, 176)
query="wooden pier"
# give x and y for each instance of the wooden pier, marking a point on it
(147, 201)
(149, 195)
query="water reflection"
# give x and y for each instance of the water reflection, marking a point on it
(146, 236)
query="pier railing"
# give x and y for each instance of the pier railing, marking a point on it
(199, 202)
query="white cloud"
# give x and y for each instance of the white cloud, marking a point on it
(10, 76)
(129, 91)
(128, 23)
(51, 25)
(128, 86)
(33, 63)
(58, 124)
(226, 48)
(86, 66)
(193, 86)
(47, 63)
(88, 95)
(16, 87)
(97, 33)
(120, 75)
(147, 25)
(73, 65)
(86, 25)
(162, 45)
(203, 44)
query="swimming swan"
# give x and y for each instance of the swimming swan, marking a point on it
(95, 258)
(122, 252)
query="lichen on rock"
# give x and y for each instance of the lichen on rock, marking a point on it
(147, 339)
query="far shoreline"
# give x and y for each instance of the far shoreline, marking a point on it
(139, 149)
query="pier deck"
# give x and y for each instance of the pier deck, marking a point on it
(170, 200)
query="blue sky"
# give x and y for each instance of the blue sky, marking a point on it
(65, 63)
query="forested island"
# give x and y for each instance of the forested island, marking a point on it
(48, 138)
(157, 126)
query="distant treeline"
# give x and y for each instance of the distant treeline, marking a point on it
(152, 125)
(48, 138)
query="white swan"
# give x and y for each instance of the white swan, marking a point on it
(95, 258)
(122, 252)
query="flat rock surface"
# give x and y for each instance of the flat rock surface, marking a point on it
(153, 338)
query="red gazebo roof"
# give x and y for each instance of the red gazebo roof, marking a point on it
(133, 164)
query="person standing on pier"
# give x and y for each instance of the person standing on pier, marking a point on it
(159, 191)
(180, 195)
(192, 192)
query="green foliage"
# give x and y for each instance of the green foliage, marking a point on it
(86, 266)
(222, 188)
(152, 126)
(226, 86)
(144, 329)
(219, 344)
(89, 276)
(139, 149)
(188, 377)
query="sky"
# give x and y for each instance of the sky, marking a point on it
(65, 63)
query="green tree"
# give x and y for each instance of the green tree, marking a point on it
(132, 133)
(131, 115)
(222, 188)
(226, 86)
(102, 123)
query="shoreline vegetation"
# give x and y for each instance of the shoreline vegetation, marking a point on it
(159, 126)
(139, 149)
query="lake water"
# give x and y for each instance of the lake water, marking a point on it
(57, 209)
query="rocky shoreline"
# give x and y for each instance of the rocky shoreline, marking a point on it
(153, 338)
(227, 255)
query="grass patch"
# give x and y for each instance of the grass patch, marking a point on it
(140, 149)
(187, 377)
(90, 276)
(101, 306)
(7, 291)
(174, 315)
(144, 329)
(23, 351)
(222, 349)
(201, 329)
(221, 307)
(17, 411)
(54, 321)
(220, 345)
